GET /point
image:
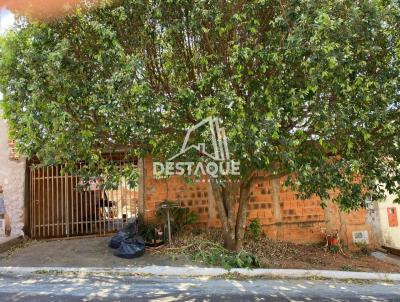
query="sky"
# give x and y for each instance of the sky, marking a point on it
(6, 21)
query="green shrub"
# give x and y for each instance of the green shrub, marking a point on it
(215, 255)
(363, 248)
(254, 228)
(146, 229)
(334, 249)
(180, 217)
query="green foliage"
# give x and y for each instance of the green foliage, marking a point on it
(180, 218)
(214, 254)
(334, 249)
(363, 248)
(254, 228)
(348, 268)
(146, 229)
(309, 88)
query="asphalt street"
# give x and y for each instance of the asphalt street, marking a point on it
(59, 287)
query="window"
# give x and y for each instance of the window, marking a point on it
(392, 217)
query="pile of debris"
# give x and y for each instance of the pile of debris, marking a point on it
(270, 252)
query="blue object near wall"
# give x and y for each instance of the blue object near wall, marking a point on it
(2, 206)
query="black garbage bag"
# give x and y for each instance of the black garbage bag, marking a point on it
(129, 231)
(116, 240)
(131, 228)
(131, 248)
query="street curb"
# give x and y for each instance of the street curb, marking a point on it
(193, 271)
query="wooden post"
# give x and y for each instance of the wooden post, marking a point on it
(212, 215)
(142, 185)
(169, 229)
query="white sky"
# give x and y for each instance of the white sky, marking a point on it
(6, 21)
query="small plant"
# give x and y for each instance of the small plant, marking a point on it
(347, 268)
(147, 232)
(254, 228)
(180, 217)
(334, 249)
(214, 254)
(363, 248)
(146, 229)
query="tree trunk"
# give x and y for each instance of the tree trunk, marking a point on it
(233, 219)
(242, 213)
(229, 240)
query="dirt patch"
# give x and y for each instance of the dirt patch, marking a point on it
(279, 254)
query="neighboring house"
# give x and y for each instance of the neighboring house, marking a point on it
(387, 222)
(12, 188)
(53, 207)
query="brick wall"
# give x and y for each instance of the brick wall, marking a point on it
(12, 154)
(195, 197)
(281, 214)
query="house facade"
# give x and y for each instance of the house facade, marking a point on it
(386, 222)
(43, 203)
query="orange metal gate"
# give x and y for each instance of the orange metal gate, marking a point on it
(59, 207)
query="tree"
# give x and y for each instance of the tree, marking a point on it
(306, 89)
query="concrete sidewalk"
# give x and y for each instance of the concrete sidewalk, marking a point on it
(89, 252)
(389, 258)
(95, 257)
(193, 271)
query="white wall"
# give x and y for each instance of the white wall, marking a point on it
(12, 180)
(389, 236)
